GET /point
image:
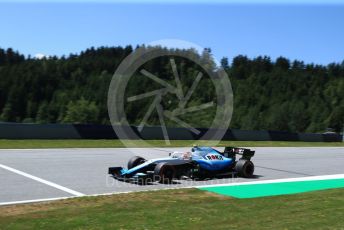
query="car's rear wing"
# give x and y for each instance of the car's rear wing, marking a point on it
(231, 152)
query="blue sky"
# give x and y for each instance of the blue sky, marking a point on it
(304, 31)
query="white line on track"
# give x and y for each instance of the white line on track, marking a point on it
(33, 201)
(309, 178)
(92, 195)
(75, 193)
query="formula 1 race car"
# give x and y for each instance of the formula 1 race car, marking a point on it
(200, 163)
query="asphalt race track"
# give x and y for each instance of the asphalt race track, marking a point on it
(38, 174)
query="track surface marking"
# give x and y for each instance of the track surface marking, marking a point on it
(75, 193)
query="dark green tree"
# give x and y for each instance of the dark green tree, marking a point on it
(81, 111)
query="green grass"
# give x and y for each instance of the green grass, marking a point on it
(181, 209)
(28, 144)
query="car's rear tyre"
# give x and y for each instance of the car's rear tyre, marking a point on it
(164, 173)
(135, 161)
(244, 168)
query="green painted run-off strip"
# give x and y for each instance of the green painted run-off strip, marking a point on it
(273, 189)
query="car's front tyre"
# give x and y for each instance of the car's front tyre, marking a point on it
(135, 161)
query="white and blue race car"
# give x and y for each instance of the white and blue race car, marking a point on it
(200, 163)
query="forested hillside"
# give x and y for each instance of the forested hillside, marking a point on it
(268, 94)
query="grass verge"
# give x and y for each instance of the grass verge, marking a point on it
(32, 144)
(181, 209)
